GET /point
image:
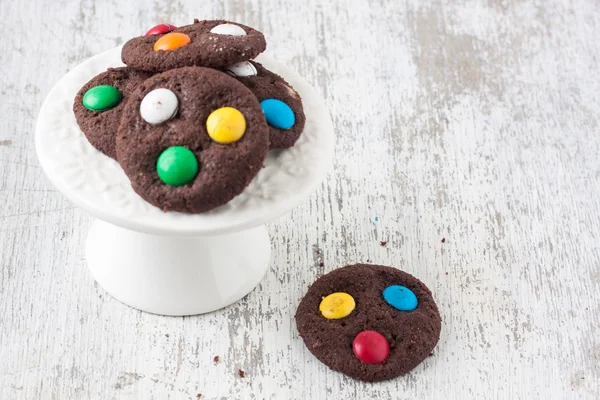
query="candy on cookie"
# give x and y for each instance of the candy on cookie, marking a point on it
(370, 322)
(280, 103)
(99, 103)
(191, 139)
(208, 43)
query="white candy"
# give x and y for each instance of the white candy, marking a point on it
(228, 29)
(158, 106)
(244, 68)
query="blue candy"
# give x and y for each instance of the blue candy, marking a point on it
(400, 297)
(278, 114)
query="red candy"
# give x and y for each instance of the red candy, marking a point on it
(160, 29)
(371, 347)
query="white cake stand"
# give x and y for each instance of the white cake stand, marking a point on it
(173, 263)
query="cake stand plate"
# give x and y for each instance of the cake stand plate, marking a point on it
(174, 263)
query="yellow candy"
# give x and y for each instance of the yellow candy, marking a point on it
(337, 305)
(226, 125)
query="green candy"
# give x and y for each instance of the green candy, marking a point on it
(177, 166)
(100, 98)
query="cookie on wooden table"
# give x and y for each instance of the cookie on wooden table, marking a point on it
(281, 104)
(212, 43)
(99, 103)
(369, 321)
(191, 139)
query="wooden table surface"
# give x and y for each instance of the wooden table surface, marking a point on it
(473, 121)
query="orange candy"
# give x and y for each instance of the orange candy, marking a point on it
(171, 41)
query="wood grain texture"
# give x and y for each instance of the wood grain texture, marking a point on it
(473, 121)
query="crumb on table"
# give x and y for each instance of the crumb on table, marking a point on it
(383, 244)
(216, 359)
(241, 373)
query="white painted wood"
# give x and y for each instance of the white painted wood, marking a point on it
(474, 121)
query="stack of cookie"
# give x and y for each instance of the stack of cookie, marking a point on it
(191, 117)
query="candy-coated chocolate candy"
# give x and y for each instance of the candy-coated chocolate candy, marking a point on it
(337, 305)
(177, 166)
(228, 29)
(102, 97)
(159, 106)
(244, 68)
(278, 114)
(160, 29)
(400, 297)
(371, 347)
(226, 125)
(171, 41)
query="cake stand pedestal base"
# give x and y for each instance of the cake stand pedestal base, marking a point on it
(168, 262)
(177, 275)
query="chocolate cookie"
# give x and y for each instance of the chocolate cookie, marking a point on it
(281, 104)
(214, 43)
(191, 139)
(369, 321)
(99, 103)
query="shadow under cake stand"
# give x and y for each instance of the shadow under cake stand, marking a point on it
(174, 263)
